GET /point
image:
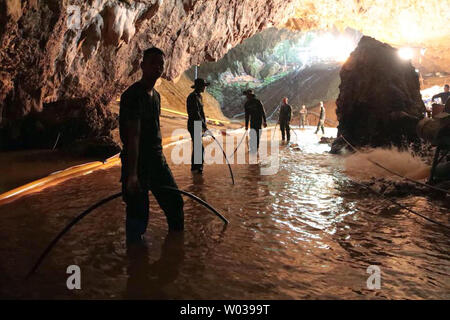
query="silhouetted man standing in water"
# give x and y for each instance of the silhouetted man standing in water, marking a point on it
(196, 117)
(255, 114)
(144, 166)
(320, 125)
(284, 119)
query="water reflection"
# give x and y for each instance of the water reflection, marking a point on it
(305, 232)
(148, 280)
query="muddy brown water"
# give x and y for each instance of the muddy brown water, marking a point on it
(304, 233)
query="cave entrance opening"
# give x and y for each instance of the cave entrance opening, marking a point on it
(277, 63)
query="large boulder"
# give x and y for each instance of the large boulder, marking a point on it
(379, 103)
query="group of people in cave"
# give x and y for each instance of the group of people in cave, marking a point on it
(144, 167)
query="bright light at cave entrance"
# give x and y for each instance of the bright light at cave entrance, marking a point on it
(329, 47)
(344, 47)
(406, 53)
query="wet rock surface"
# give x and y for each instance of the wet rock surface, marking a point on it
(379, 102)
(327, 140)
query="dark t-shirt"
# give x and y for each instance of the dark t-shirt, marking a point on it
(285, 113)
(194, 104)
(137, 104)
(443, 95)
(254, 112)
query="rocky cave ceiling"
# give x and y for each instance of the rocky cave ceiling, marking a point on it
(411, 23)
(60, 50)
(405, 22)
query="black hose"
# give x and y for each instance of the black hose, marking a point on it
(394, 202)
(276, 109)
(67, 228)
(294, 132)
(400, 205)
(224, 154)
(102, 202)
(56, 142)
(220, 146)
(204, 203)
(239, 144)
(274, 130)
(273, 136)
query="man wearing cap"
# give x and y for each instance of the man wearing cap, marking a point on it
(196, 119)
(255, 115)
(284, 119)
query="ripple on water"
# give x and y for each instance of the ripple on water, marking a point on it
(305, 232)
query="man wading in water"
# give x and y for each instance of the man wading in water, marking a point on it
(284, 119)
(144, 166)
(196, 116)
(320, 124)
(255, 114)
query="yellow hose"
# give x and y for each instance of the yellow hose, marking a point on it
(217, 121)
(60, 176)
(63, 175)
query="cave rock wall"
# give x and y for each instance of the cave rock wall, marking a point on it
(75, 51)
